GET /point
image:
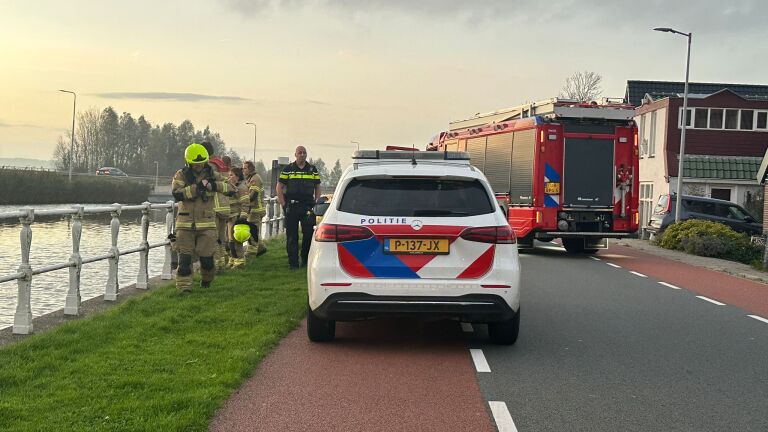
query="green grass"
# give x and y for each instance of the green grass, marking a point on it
(160, 362)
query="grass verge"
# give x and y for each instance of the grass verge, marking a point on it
(162, 361)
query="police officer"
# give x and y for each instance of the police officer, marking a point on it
(297, 191)
(256, 210)
(194, 187)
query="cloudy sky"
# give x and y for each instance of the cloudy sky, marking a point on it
(323, 73)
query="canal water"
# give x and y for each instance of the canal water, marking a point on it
(52, 244)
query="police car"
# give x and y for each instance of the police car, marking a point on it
(414, 234)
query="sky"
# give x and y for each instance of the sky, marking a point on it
(324, 73)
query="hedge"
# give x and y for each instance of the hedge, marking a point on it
(22, 187)
(712, 239)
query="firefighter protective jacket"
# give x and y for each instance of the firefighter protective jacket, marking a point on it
(300, 182)
(255, 197)
(239, 203)
(196, 204)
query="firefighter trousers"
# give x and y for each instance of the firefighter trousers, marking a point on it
(189, 243)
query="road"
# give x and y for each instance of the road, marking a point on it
(669, 347)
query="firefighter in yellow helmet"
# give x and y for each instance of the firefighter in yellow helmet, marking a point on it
(194, 187)
(238, 205)
(256, 209)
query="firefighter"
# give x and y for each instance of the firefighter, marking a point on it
(256, 210)
(194, 188)
(238, 205)
(221, 205)
(297, 191)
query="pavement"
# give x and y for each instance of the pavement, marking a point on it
(723, 266)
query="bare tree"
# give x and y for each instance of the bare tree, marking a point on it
(582, 86)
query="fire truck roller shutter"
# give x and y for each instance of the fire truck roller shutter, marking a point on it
(588, 172)
(476, 150)
(498, 161)
(523, 152)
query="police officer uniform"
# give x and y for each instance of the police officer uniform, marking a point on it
(299, 184)
(196, 221)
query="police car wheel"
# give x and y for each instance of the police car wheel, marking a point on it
(505, 332)
(318, 329)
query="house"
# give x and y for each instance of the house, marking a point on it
(726, 138)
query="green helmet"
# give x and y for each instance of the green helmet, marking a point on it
(196, 154)
(242, 232)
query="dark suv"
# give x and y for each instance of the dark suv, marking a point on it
(715, 210)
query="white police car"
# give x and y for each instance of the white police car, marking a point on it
(414, 234)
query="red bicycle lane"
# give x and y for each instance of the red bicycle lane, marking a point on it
(742, 293)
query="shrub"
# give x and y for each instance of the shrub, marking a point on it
(711, 239)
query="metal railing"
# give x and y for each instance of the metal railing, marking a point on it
(272, 224)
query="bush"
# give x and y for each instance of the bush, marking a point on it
(711, 239)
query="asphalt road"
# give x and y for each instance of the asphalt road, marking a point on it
(603, 349)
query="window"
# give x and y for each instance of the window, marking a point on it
(700, 118)
(641, 137)
(747, 117)
(762, 120)
(416, 197)
(646, 203)
(716, 118)
(652, 142)
(731, 118)
(687, 117)
(723, 194)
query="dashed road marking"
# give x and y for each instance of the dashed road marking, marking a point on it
(467, 327)
(670, 285)
(614, 265)
(502, 417)
(596, 258)
(711, 301)
(480, 363)
(638, 274)
(759, 318)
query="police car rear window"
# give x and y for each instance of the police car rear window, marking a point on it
(416, 197)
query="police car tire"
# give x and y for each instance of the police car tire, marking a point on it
(505, 332)
(318, 329)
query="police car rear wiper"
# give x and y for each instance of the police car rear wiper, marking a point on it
(438, 212)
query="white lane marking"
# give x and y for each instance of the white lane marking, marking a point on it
(502, 417)
(467, 327)
(595, 258)
(480, 364)
(638, 274)
(670, 285)
(711, 301)
(614, 265)
(759, 318)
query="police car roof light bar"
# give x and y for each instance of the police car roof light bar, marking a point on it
(408, 156)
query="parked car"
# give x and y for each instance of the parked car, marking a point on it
(110, 171)
(415, 235)
(715, 210)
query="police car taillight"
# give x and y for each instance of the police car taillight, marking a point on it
(494, 234)
(341, 233)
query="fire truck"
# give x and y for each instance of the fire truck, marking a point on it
(561, 168)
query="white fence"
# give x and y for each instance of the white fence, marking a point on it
(272, 225)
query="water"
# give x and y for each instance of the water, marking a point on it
(52, 244)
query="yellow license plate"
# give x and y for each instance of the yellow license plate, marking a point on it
(416, 246)
(552, 188)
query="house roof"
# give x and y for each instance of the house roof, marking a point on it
(721, 167)
(637, 89)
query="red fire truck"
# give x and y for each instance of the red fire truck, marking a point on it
(565, 169)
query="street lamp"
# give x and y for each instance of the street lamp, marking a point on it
(72, 141)
(254, 140)
(355, 142)
(157, 172)
(685, 121)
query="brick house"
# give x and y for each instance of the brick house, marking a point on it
(726, 139)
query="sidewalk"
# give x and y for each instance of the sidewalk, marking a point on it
(724, 266)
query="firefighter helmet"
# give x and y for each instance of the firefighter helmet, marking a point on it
(242, 232)
(195, 154)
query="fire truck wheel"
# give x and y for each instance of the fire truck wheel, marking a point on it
(573, 245)
(505, 332)
(318, 329)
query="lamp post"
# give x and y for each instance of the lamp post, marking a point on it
(685, 121)
(72, 141)
(355, 142)
(157, 172)
(254, 140)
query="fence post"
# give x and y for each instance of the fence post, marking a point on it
(280, 220)
(167, 268)
(72, 305)
(113, 282)
(22, 320)
(142, 280)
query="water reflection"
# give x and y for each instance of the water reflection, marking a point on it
(52, 244)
